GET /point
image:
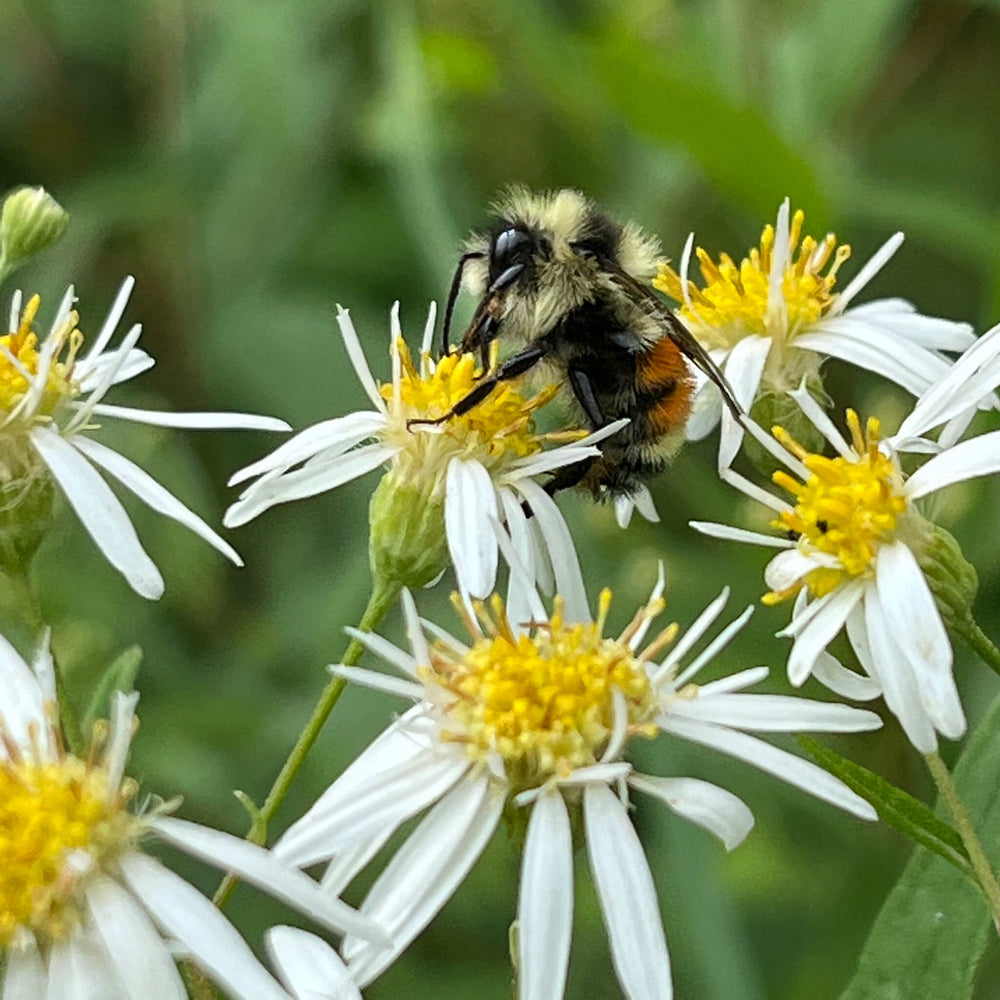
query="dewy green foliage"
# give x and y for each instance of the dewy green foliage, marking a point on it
(930, 935)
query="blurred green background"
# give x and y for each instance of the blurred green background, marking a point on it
(254, 163)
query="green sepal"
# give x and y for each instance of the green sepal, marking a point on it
(119, 675)
(898, 809)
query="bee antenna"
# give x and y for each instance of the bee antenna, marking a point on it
(456, 285)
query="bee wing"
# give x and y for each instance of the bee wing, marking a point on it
(675, 330)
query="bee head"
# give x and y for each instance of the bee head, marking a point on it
(511, 262)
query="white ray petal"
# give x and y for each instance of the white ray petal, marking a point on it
(470, 502)
(80, 969)
(152, 493)
(628, 897)
(337, 436)
(261, 868)
(828, 615)
(99, 511)
(545, 901)
(731, 534)
(424, 873)
(377, 681)
(185, 914)
(136, 950)
(872, 266)
(22, 709)
(819, 419)
(389, 652)
(734, 682)
(382, 803)
(895, 674)
(191, 420)
(716, 810)
(743, 370)
(110, 324)
(715, 646)
(753, 491)
(774, 713)
(848, 684)
(562, 553)
(25, 977)
(783, 765)
(358, 360)
(979, 456)
(919, 635)
(308, 481)
(696, 630)
(308, 966)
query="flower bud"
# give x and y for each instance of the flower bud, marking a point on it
(30, 221)
(951, 577)
(25, 518)
(773, 408)
(407, 544)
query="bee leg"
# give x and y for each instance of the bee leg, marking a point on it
(511, 368)
(579, 382)
(456, 285)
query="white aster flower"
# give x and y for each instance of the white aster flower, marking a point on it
(83, 910)
(771, 319)
(531, 722)
(852, 542)
(51, 397)
(468, 471)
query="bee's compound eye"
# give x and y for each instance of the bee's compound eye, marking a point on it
(510, 245)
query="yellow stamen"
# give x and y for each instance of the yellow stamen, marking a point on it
(733, 302)
(21, 358)
(847, 508)
(542, 701)
(48, 812)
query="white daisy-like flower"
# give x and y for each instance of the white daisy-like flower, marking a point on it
(309, 968)
(531, 722)
(771, 319)
(51, 398)
(84, 911)
(470, 470)
(852, 540)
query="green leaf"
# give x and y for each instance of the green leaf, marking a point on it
(729, 141)
(897, 808)
(930, 935)
(119, 675)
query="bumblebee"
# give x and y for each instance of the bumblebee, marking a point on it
(568, 287)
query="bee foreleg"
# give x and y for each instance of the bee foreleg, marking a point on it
(579, 382)
(511, 368)
(456, 285)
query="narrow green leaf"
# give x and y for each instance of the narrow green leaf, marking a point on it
(930, 935)
(119, 675)
(897, 808)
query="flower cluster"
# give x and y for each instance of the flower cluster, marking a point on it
(528, 717)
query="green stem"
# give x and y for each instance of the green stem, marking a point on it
(978, 641)
(383, 595)
(963, 824)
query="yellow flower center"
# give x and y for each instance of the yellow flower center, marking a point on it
(20, 358)
(543, 702)
(734, 300)
(56, 820)
(847, 508)
(498, 428)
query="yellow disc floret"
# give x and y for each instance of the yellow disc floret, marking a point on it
(847, 508)
(21, 359)
(543, 702)
(733, 303)
(495, 431)
(57, 820)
